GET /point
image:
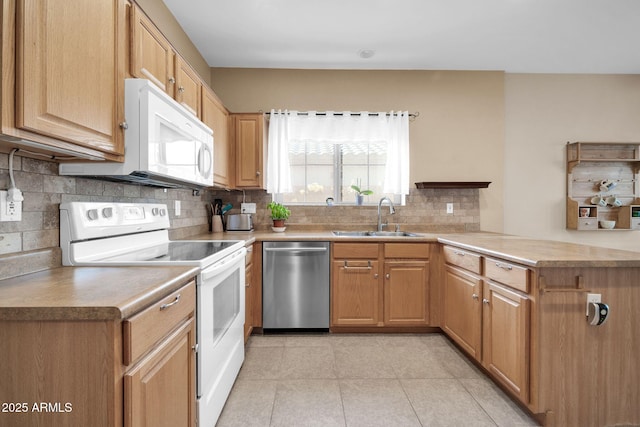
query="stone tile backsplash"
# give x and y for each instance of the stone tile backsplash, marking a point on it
(33, 243)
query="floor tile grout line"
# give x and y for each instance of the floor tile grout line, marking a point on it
(478, 402)
(410, 403)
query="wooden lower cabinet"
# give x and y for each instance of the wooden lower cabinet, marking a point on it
(355, 293)
(490, 321)
(505, 337)
(160, 389)
(463, 309)
(406, 293)
(380, 285)
(138, 371)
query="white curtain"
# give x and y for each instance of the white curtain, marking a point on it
(278, 169)
(289, 127)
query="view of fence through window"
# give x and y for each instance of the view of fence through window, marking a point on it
(320, 170)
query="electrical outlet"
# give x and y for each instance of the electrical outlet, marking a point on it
(248, 208)
(9, 211)
(592, 298)
(176, 207)
(449, 208)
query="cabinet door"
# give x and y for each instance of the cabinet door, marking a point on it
(249, 143)
(160, 390)
(406, 293)
(216, 117)
(463, 309)
(151, 53)
(505, 350)
(188, 87)
(355, 293)
(70, 71)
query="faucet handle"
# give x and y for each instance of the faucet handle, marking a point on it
(397, 227)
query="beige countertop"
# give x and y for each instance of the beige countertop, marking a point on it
(88, 293)
(526, 251)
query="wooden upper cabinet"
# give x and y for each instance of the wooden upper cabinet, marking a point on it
(152, 56)
(250, 143)
(188, 91)
(69, 71)
(216, 116)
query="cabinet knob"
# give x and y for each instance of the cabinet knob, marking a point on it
(388, 276)
(485, 301)
(181, 89)
(172, 80)
(124, 125)
(475, 296)
(257, 173)
(375, 276)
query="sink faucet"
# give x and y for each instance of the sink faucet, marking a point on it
(392, 210)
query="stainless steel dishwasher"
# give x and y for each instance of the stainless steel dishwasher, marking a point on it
(295, 285)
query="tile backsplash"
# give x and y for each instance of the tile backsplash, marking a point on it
(33, 243)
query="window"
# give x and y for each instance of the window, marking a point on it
(313, 157)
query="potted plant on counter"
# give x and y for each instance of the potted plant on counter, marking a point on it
(279, 213)
(360, 194)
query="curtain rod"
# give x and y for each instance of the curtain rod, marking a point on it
(305, 113)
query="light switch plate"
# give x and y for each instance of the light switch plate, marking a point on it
(449, 208)
(9, 211)
(248, 208)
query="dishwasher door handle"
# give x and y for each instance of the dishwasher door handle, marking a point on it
(295, 250)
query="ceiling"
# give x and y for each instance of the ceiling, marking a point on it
(518, 36)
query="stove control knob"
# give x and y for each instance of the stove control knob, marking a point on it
(163, 212)
(92, 214)
(154, 211)
(107, 212)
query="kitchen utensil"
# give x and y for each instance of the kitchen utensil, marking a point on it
(226, 208)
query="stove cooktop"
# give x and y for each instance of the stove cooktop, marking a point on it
(175, 252)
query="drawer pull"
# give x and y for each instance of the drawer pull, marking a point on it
(504, 266)
(174, 302)
(458, 253)
(346, 266)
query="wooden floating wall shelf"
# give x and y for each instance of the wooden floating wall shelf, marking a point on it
(452, 184)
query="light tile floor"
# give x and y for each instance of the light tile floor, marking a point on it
(364, 380)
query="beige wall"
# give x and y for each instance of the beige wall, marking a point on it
(459, 135)
(166, 22)
(543, 112)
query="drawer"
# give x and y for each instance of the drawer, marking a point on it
(143, 330)
(406, 250)
(467, 260)
(355, 250)
(589, 223)
(506, 273)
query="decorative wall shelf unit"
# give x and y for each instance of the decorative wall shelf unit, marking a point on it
(590, 163)
(452, 184)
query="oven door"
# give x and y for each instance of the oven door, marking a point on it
(220, 331)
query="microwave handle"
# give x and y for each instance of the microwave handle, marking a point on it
(203, 153)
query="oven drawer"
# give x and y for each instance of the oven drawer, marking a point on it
(143, 330)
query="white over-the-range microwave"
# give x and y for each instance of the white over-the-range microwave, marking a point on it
(165, 145)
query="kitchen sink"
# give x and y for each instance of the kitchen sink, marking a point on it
(374, 234)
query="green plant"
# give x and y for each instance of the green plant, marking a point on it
(361, 192)
(278, 211)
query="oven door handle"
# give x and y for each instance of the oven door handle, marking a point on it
(224, 265)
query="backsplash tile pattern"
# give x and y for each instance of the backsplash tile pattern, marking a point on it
(33, 243)
(425, 211)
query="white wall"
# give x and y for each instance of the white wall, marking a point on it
(542, 113)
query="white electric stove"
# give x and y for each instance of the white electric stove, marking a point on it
(137, 234)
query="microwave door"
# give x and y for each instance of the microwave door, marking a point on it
(174, 152)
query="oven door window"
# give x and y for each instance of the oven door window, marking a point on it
(226, 304)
